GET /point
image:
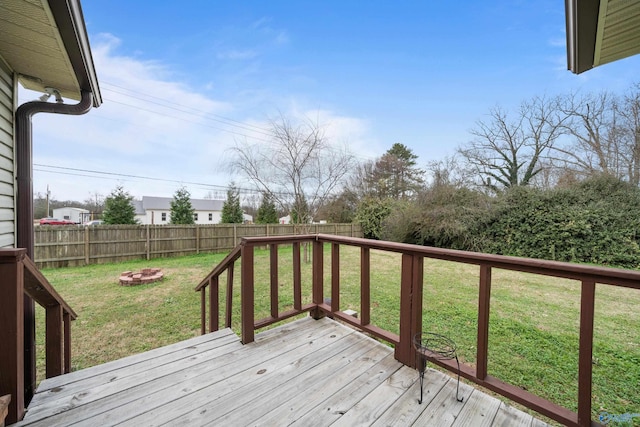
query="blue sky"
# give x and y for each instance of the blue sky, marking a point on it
(182, 81)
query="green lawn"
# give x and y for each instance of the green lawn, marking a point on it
(533, 330)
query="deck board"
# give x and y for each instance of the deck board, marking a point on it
(305, 373)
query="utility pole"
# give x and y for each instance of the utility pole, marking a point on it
(48, 192)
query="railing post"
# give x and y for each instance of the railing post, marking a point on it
(247, 295)
(318, 278)
(585, 355)
(54, 341)
(484, 300)
(410, 307)
(11, 331)
(365, 286)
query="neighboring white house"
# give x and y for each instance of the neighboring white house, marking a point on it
(285, 219)
(77, 215)
(157, 210)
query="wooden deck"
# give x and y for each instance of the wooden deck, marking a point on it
(305, 373)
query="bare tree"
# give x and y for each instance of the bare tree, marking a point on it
(595, 143)
(298, 168)
(506, 151)
(628, 112)
(448, 172)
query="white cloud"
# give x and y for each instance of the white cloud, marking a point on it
(558, 42)
(237, 55)
(152, 125)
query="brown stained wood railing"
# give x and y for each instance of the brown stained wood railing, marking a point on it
(411, 310)
(20, 276)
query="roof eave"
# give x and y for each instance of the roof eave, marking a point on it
(70, 22)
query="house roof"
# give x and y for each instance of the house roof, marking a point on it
(164, 203)
(601, 31)
(45, 42)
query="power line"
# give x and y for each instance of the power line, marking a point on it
(218, 117)
(188, 121)
(107, 175)
(200, 113)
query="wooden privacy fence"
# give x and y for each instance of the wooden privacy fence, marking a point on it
(68, 246)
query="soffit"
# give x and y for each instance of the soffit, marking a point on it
(618, 33)
(601, 31)
(47, 46)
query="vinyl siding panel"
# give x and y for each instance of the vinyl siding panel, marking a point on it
(7, 161)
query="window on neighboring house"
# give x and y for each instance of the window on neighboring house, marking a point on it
(210, 216)
(164, 216)
(195, 216)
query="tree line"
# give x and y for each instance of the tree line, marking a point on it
(556, 177)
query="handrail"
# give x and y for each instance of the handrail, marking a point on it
(220, 268)
(411, 303)
(38, 287)
(21, 277)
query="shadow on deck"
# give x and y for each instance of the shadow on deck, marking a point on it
(308, 373)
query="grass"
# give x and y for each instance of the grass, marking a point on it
(533, 340)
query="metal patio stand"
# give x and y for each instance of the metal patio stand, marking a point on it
(437, 347)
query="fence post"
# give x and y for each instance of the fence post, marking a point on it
(12, 332)
(197, 239)
(148, 244)
(87, 246)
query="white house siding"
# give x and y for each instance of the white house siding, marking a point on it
(149, 210)
(155, 217)
(7, 165)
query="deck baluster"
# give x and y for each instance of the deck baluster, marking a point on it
(335, 277)
(214, 304)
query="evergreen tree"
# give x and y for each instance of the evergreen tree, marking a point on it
(118, 208)
(181, 208)
(267, 211)
(231, 210)
(300, 210)
(395, 174)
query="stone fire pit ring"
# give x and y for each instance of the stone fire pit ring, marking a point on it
(147, 275)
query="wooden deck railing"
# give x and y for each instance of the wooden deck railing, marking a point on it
(19, 277)
(411, 304)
